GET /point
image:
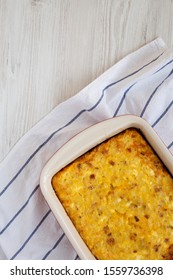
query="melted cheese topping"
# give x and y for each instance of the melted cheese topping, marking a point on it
(119, 196)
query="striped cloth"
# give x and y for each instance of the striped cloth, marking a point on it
(140, 84)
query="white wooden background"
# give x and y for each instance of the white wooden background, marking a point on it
(50, 49)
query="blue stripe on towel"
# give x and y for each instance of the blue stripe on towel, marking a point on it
(163, 114)
(30, 236)
(122, 99)
(170, 145)
(20, 210)
(56, 244)
(151, 96)
(161, 68)
(77, 258)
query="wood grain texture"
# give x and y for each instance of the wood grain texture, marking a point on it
(50, 49)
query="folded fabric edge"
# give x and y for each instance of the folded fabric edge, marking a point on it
(160, 43)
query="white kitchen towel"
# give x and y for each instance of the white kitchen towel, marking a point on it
(140, 84)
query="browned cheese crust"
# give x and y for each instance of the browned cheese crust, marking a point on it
(119, 196)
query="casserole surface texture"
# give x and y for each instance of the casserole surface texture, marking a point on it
(119, 196)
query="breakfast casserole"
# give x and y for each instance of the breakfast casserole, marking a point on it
(119, 196)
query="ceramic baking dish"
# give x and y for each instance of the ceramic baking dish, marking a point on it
(80, 144)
